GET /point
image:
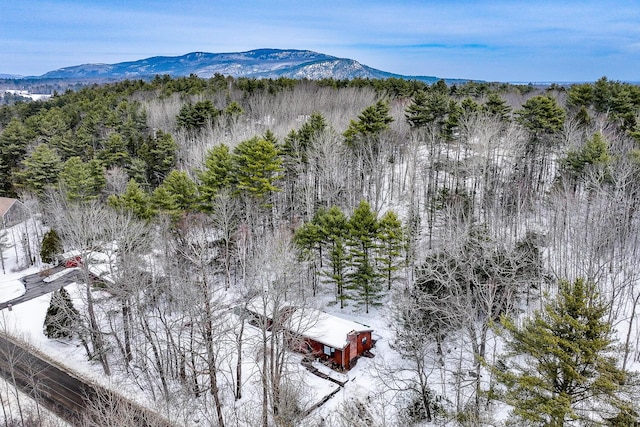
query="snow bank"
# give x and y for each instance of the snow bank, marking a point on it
(11, 289)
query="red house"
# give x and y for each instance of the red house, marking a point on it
(332, 338)
(313, 332)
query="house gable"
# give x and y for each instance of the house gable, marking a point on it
(12, 211)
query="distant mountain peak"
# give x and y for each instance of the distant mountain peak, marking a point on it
(258, 63)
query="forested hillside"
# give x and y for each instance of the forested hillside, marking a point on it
(493, 228)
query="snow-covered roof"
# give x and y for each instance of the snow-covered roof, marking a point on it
(265, 306)
(310, 323)
(94, 256)
(325, 328)
(103, 271)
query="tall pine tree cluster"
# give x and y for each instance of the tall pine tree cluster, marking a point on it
(359, 255)
(250, 171)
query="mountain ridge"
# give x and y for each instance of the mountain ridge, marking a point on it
(257, 63)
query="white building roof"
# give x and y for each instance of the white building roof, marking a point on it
(325, 328)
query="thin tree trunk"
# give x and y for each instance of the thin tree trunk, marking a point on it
(96, 335)
(211, 356)
(628, 338)
(126, 325)
(238, 393)
(265, 382)
(156, 355)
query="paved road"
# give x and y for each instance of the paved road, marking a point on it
(36, 286)
(61, 393)
(74, 400)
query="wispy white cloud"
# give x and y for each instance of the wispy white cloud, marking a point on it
(495, 40)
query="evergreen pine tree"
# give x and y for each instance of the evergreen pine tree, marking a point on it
(364, 279)
(392, 243)
(270, 137)
(602, 94)
(428, 108)
(542, 116)
(135, 200)
(233, 109)
(61, 317)
(82, 181)
(313, 126)
(468, 106)
(40, 169)
(373, 120)
(166, 202)
(114, 152)
(51, 246)
(14, 140)
(137, 170)
(5, 179)
(216, 174)
(298, 142)
(335, 226)
(196, 116)
(497, 106)
(561, 363)
(310, 239)
(257, 167)
(159, 154)
(580, 95)
(595, 153)
(181, 188)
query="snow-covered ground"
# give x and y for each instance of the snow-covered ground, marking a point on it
(10, 289)
(13, 402)
(26, 320)
(59, 274)
(372, 386)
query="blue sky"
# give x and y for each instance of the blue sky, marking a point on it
(530, 41)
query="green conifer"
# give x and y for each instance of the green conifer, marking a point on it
(561, 363)
(62, 317)
(51, 246)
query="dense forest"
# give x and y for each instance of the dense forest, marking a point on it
(492, 226)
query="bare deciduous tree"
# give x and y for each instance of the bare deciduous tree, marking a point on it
(278, 296)
(82, 229)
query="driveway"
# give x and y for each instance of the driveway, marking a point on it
(39, 284)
